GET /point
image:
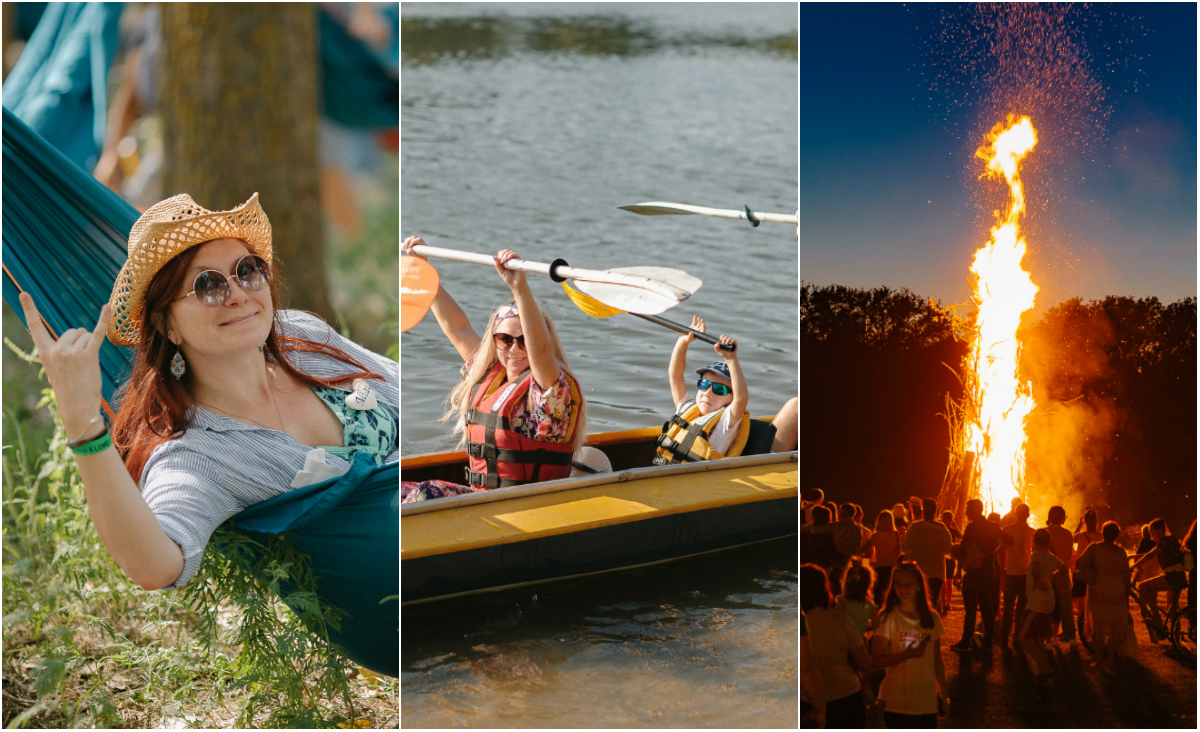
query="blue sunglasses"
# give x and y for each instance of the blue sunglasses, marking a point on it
(718, 389)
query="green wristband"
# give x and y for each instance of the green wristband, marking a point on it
(100, 444)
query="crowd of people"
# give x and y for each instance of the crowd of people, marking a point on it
(872, 601)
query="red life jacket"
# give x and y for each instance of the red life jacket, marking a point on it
(498, 457)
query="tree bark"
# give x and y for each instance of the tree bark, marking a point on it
(239, 100)
(9, 32)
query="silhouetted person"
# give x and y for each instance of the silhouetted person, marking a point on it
(1062, 545)
(980, 541)
(837, 650)
(1108, 595)
(927, 542)
(1016, 562)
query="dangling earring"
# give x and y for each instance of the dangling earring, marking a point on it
(178, 366)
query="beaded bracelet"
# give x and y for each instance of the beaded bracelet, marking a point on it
(91, 447)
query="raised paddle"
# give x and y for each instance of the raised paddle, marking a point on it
(597, 309)
(640, 289)
(664, 208)
(418, 287)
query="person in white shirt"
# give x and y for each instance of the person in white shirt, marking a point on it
(908, 643)
(1016, 562)
(1036, 624)
(927, 542)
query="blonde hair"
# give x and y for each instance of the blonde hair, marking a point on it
(482, 362)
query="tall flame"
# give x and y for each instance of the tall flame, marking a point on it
(1003, 292)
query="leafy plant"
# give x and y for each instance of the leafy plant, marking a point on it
(84, 647)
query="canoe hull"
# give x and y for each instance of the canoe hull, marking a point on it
(601, 549)
(577, 526)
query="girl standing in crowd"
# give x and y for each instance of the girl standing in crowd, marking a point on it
(908, 644)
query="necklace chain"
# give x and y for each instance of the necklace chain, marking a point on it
(255, 421)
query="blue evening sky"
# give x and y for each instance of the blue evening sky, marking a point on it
(887, 194)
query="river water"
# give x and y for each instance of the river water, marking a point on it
(524, 126)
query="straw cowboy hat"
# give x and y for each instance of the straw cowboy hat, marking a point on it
(166, 229)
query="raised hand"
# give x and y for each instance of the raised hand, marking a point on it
(725, 341)
(72, 365)
(515, 280)
(409, 243)
(697, 324)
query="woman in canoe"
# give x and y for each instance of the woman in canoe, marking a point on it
(228, 395)
(518, 407)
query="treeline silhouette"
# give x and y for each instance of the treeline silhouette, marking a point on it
(1115, 383)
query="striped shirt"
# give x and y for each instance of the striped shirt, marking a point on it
(220, 466)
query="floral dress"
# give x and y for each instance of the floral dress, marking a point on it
(544, 415)
(373, 431)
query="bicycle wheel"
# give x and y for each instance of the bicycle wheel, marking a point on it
(1183, 633)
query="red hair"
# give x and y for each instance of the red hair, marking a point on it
(155, 406)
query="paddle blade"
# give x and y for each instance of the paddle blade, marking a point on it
(638, 300)
(418, 287)
(655, 209)
(675, 277)
(589, 305)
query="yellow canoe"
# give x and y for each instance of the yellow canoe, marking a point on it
(637, 515)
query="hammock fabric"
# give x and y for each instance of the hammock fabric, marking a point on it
(350, 526)
(357, 88)
(64, 239)
(59, 85)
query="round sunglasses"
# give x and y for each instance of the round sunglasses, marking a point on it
(718, 389)
(504, 340)
(211, 287)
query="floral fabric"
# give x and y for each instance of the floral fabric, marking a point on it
(373, 431)
(415, 492)
(546, 413)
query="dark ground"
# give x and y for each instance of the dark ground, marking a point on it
(995, 689)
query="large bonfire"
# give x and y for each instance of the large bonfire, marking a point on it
(989, 462)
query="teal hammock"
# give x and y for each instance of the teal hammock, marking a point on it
(58, 86)
(64, 240)
(357, 89)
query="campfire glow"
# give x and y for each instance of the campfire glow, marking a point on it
(1003, 292)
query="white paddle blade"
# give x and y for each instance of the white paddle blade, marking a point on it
(679, 286)
(629, 299)
(674, 277)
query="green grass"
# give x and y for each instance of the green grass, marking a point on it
(84, 647)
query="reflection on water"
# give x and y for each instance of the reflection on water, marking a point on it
(705, 642)
(428, 40)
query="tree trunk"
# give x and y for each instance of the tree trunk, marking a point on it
(9, 32)
(240, 106)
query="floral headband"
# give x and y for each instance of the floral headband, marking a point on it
(508, 311)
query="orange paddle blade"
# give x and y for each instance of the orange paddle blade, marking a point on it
(418, 288)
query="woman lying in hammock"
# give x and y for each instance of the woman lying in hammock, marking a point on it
(228, 397)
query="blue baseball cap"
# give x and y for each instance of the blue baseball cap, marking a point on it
(720, 368)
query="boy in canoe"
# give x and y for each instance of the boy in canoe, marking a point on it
(714, 424)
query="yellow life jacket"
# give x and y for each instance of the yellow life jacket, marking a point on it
(682, 441)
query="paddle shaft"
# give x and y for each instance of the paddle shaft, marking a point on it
(684, 329)
(662, 208)
(561, 271)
